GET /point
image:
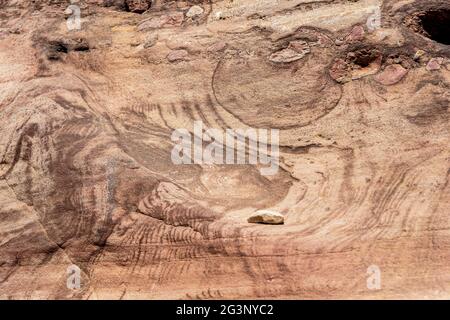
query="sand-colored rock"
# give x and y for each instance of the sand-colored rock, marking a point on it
(434, 64)
(87, 176)
(194, 11)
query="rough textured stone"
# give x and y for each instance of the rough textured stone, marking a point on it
(391, 75)
(138, 6)
(266, 217)
(150, 40)
(217, 47)
(357, 34)
(339, 71)
(87, 134)
(194, 11)
(177, 55)
(170, 20)
(434, 64)
(287, 55)
(299, 46)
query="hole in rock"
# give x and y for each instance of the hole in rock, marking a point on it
(436, 25)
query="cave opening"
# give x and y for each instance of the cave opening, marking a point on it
(436, 25)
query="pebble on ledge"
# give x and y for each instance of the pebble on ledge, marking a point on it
(266, 217)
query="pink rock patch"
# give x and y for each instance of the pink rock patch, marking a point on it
(391, 75)
(295, 51)
(435, 64)
(216, 47)
(172, 20)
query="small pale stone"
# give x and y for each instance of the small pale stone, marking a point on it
(286, 55)
(194, 11)
(266, 217)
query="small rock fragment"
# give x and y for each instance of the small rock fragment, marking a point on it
(177, 55)
(150, 40)
(391, 75)
(194, 11)
(287, 55)
(434, 64)
(357, 34)
(266, 217)
(299, 46)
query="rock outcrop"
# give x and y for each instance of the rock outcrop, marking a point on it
(90, 117)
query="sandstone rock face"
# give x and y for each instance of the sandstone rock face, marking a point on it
(391, 75)
(170, 20)
(91, 119)
(266, 217)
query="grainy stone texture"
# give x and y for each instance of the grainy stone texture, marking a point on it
(86, 176)
(138, 6)
(391, 75)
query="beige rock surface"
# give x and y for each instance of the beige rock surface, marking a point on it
(86, 177)
(266, 217)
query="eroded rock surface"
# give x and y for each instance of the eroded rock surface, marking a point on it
(87, 179)
(266, 217)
